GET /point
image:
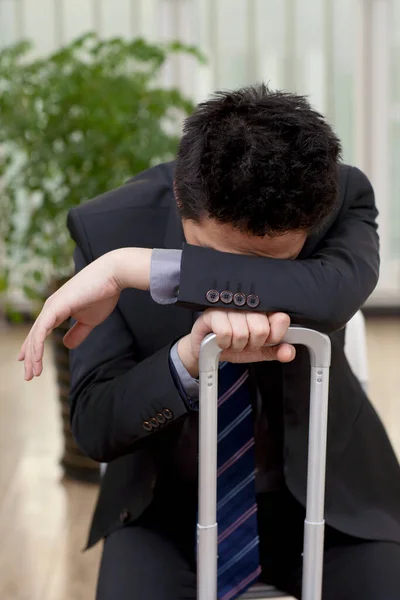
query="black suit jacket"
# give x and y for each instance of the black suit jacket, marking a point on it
(121, 374)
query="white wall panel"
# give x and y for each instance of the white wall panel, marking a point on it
(345, 69)
(269, 35)
(203, 37)
(395, 130)
(309, 51)
(188, 66)
(343, 53)
(39, 19)
(166, 29)
(149, 18)
(78, 17)
(118, 18)
(8, 22)
(231, 42)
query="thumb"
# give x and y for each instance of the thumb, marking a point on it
(283, 353)
(200, 329)
(76, 335)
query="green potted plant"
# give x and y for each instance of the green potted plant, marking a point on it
(73, 125)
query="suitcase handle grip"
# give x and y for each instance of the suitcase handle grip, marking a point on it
(318, 344)
(319, 347)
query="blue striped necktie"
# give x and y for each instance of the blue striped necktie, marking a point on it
(238, 557)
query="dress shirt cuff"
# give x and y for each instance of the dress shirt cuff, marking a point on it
(165, 270)
(187, 385)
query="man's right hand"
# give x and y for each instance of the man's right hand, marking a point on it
(242, 335)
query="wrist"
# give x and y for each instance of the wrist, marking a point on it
(131, 267)
(189, 361)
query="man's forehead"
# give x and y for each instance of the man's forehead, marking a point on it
(223, 237)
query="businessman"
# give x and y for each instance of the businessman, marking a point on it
(255, 225)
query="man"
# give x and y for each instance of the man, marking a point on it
(256, 224)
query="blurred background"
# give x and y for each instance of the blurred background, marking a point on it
(94, 91)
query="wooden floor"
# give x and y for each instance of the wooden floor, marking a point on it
(44, 519)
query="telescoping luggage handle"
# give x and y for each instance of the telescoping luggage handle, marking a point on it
(319, 347)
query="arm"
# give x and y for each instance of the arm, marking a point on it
(117, 401)
(109, 410)
(323, 291)
(117, 404)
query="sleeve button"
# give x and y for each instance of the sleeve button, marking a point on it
(212, 296)
(160, 418)
(168, 414)
(253, 300)
(154, 423)
(147, 426)
(239, 299)
(124, 516)
(226, 297)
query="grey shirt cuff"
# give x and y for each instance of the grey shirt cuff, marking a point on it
(189, 384)
(165, 270)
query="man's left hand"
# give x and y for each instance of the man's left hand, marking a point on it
(89, 298)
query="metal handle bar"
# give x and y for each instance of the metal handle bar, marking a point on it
(319, 347)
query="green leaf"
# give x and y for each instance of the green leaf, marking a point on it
(37, 276)
(31, 293)
(13, 315)
(3, 283)
(74, 125)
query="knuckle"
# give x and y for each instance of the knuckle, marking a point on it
(260, 331)
(241, 337)
(223, 342)
(223, 329)
(224, 333)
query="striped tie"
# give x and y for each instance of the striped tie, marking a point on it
(238, 558)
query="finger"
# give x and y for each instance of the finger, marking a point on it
(51, 316)
(279, 324)
(27, 369)
(36, 355)
(240, 330)
(28, 359)
(212, 321)
(76, 335)
(283, 353)
(37, 358)
(259, 329)
(22, 352)
(222, 327)
(42, 328)
(34, 365)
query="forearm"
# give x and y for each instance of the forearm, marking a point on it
(322, 293)
(132, 267)
(113, 406)
(112, 392)
(322, 289)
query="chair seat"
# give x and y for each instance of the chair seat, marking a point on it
(261, 592)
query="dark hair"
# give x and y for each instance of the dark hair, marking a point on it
(263, 161)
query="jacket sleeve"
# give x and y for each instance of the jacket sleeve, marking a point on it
(114, 396)
(322, 291)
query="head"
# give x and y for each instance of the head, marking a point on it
(256, 172)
